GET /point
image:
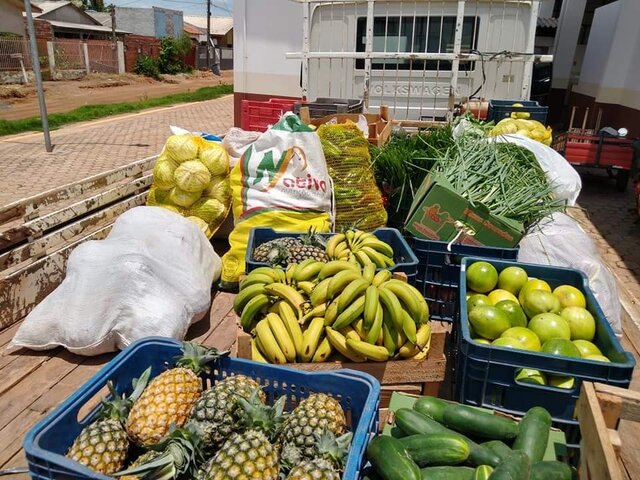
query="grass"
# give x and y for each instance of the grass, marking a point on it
(93, 112)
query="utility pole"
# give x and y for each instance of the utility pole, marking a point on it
(208, 34)
(113, 24)
(35, 62)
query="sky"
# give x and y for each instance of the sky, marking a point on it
(189, 7)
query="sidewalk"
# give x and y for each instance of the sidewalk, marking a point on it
(82, 150)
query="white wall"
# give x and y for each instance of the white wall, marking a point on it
(546, 8)
(11, 19)
(264, 31)
(567, 34)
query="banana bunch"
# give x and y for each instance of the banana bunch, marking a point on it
(360, 248)
(315, 311)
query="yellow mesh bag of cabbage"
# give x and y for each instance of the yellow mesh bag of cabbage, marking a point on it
(191, 177)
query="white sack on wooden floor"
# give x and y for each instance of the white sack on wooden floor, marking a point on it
(151, 276)
(559, 240)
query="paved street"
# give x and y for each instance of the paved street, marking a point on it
(83, 150)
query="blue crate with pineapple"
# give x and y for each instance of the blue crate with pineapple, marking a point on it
(182, 410)
(529, 336)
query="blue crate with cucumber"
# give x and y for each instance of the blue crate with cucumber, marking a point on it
(431, 438)
(72, 444)
(385, 247)
(529, 336)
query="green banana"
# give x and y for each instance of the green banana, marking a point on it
(351, 292)
(318, 311)
(352, 312)
(252, 309)
(406, 296)
(389, 300)
(308, 272)
(340, 281)
(319, 293)
(331, 313)
(371, 304)
(369, 273)
(333, 267)
(363, 258)
(378, 245)
(287, 293)
(371, 352)
(276, 273)
(253, 279)
(381, 277)
(389, 332)
(246, 294)
(306, 287)
(409, 326)
(376, 327)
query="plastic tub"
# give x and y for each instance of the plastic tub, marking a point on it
(501, 109)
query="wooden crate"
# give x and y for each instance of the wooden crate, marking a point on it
(423, 377)
(599, 410)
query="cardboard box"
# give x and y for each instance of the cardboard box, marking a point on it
(439, 213)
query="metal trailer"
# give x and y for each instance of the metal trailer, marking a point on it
(421, 58)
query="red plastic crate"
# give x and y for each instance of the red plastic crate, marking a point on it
(257, 116)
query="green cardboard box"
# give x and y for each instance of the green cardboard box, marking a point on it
(439, 213)
(556, 446)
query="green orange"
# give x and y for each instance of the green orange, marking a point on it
(482, 277)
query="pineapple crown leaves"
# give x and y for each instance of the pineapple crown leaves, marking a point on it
(254, 415)
(278, 255)
(312, 238)
(196, 357)
(333, 448)
(117, 407)
(180, 454)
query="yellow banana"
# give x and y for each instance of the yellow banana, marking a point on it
(375, 257)
(275, 273)
(290, 320)
(246, 294)
(339, 342)
(349, 315)
(252, 309)
(319, 294)
(288, 293)
(389, 300)
(256, 355)
(269, 343)
(340, 281)
(311, 338)
(349, 234)
(331, 314)
(307, 272)
(344, 254)
(318, 311)
(333, 267)
(306, 287)
(359, 235)
(350, 332)
(371, 352)
(322, 352)
(358, 326)
(340, 250)
(258, 278)
(408, 327)
(423, 340)
(333, 242)
(352, 291)
(381, 277)
(376, 327)
(380, 340)
(362, 258)
(275, 308)
(371, 304)
(354, 260)
(285, 342)
(409, 297)
(288, 273)
(378, 245)
(369, 272)
(421, 355)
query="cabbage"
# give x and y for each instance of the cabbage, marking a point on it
(156, 197)
(182, 198)
(202, 225)
(192, 176)
(173, 208)
(209, 210)
(219, 189)
(163, 172)
(182, 147)
(215, 158)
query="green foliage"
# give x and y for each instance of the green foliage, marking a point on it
(172, 53)
(92, 112)
(147, 66)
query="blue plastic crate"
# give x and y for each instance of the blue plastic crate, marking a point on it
(487, 373)
(46, 444)
(439, 272)
(500, 109)
(403, 256)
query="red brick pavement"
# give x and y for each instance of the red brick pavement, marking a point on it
(87, 149)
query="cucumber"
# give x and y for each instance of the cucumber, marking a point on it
(501, 449)
(516, 466)
(471, 421)
(446, 473)
(551, 470)
(391, 460)
(534, 432)
(431, 407)
(483, 472)
(413, 423)
(436, 449)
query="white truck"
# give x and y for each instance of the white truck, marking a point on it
(418, 57)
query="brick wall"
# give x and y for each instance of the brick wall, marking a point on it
(138, 45)
(42, 27)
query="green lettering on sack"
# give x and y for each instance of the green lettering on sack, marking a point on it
(267, 167)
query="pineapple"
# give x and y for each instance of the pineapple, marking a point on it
(250, 453)
(286, 250)
(216, 412)
(327, 462)
(103, 446)
(310, 418)
(268, 250)
(311, 247)
(176, 455)
(170, 396)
